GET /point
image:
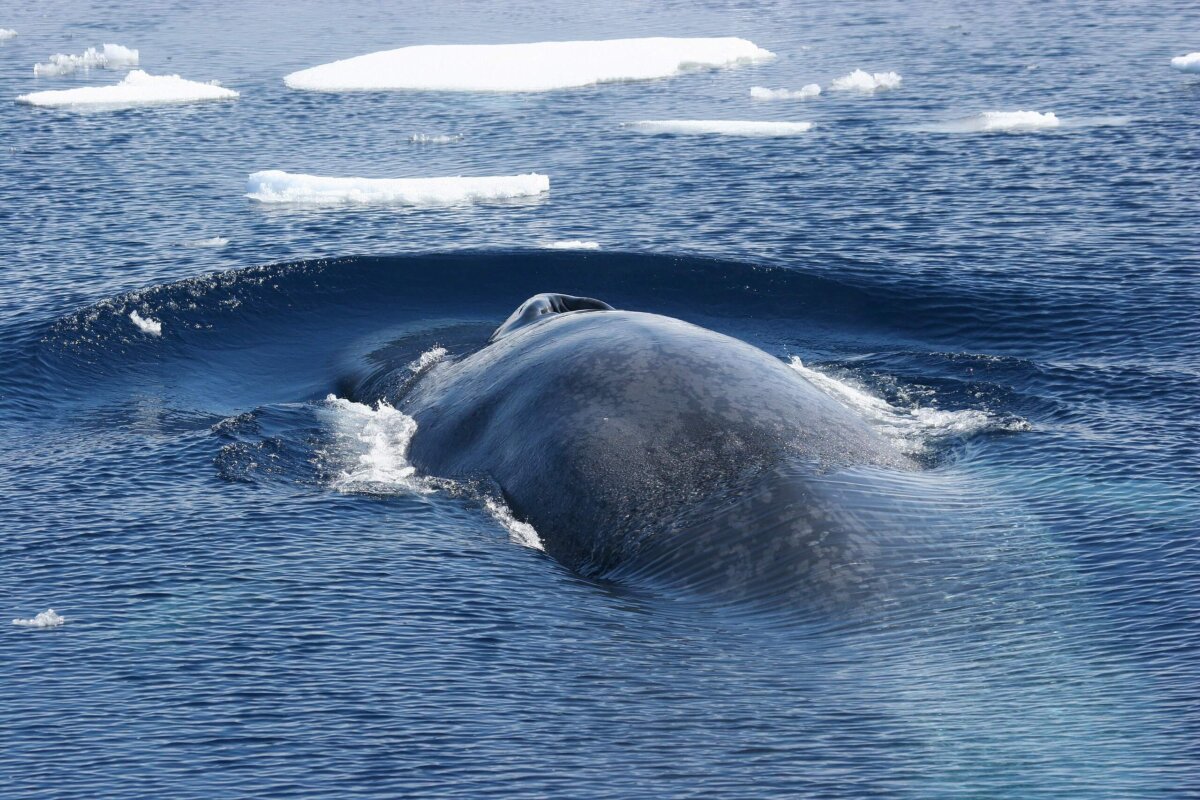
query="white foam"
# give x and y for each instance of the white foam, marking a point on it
(147, 325)
(1188, 63)
(109, 56)
(532, 67)
(137, 89)
(374, 446)
(572, 244)
(805, 92)
(434, 138)
(7, 33)
(911, 428)
(519, 532)
(863, 81)
(427, 360)
(213, 241)
(46, 619)
(722, 127)
(276, 186)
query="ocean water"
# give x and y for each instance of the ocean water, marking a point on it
(262, 600)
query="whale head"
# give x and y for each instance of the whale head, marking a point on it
(543, 306)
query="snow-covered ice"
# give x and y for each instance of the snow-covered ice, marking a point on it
(146, 325)
(532, 67)
(7, 33)
(138, 88)
(803, 93)
(110, 56)
(723, 127)
(1188, 63)
(46, 619)
(862, 81)
(276, 186)
(572, 244)
(434, 138)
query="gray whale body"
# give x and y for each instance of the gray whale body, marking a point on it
(641, 446)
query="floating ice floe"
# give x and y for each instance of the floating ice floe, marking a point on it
(803, 93)
(147, 325)
(7, 33)
(439, 138)
(862, 81)
(212, 241)
(276, 186)
(723, 127)
(1188, 63)
(912, 429)
(1017, 122)
(110, 56)
(533, 67)
(138, 88)
(46, 619)
(572, 244)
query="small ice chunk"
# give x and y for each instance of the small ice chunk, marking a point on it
(138, 88)
(1188, 63)
(803, 93)
(276, 186)
(723, 127)
(110, 56)
(146, 325)
(862, 81)
(7, 33)
(435, 138)
(46, 619)
(531, 67)
(213, 241)
(572, 244)
(999, 122)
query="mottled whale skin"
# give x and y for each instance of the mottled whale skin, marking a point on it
(634, 442)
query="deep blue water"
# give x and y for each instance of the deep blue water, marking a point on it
(247, 615)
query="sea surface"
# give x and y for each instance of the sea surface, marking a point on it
(261, 600)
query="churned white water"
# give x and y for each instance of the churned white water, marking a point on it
(276, 186)
(531, 67)
(806, 92)
(373, 449)
(46, 619)
(720, 127)
(863, 81)
(911, 428)
(109, 56)
(519, 532)
(138, 88)
(147, 325)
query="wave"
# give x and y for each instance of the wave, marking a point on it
(276, 186)
(533, 67)
(137, 89)
(914, 429)
(109, 56)
(721, 127)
